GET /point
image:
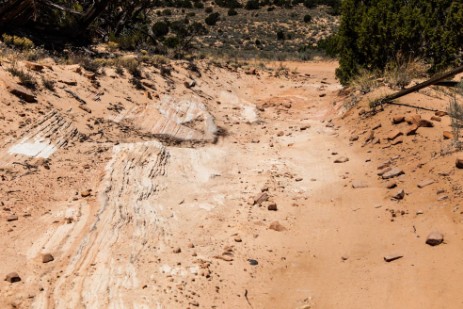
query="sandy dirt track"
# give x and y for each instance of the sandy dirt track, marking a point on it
(225, 195)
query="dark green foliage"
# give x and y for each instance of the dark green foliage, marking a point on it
(373, 34)
(252, 5)
(198, 5)
(160, 28)
(307, 18)
(310, 3)
(231, 4)
(280, 35)
(212, 19)
(232, 12)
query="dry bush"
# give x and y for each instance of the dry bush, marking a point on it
(455, 111)
(401, 72)
(365, 81)
(26, 79)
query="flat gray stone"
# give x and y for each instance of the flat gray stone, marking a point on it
(393, 257)
(393, 173)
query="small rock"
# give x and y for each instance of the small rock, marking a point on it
(390, 258)
(412, 130)
(447, 135)
(391, 185)
(238, 239)
(394, 135)
(11, 218)
(86, 193)
(358, 184)
(435, 239)
(394, 172)
(34, 66)
(459, 163)
(341, 160)
(399, 195)
(398, 119)
(276, 226)
(47, 258)
(425, 183)
(177, 250)
(190, 84)
(435, 118)
(253, 262)
(299, 179)
(425, 123)
(440, 113)
(260, 198)
(20, 91)
(415, 119)
(272, 207)
(354, 138)
(12, 277)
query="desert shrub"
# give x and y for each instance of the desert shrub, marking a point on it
(455, 111)
(310, 3)
(17, 41)
(198, 5)
(372, 33)
(167, 12)
(212, 19)
(231, 4)
(209, 10)
(232, 12)
(252, 5)
(160, 28)
(307, 18)
(26, 79)
(280, 35)
(48, 84)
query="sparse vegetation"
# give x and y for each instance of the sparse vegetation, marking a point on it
(26, 79)
(455, 111)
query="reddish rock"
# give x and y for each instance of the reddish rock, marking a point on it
(34, 66)
(435, 118)
(394, 172)
(414, 119)
(390, 258)
(459, 162)
(440, 113)
(435, 239)
(425, 123)
(276, 226)
(272, 207)
(394, 135)
(20, 91)
(425, 183)
(447, 135)
(412, 130)
(341, 160)
(398, 119)
(47, 258)
(11, 218)
(399, 195)
(260, 198)
(12, 277)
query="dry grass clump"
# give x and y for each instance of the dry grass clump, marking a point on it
(26, 79)
(455, 111)
(365, 81)
(400, 73)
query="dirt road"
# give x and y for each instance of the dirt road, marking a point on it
(226, 195)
